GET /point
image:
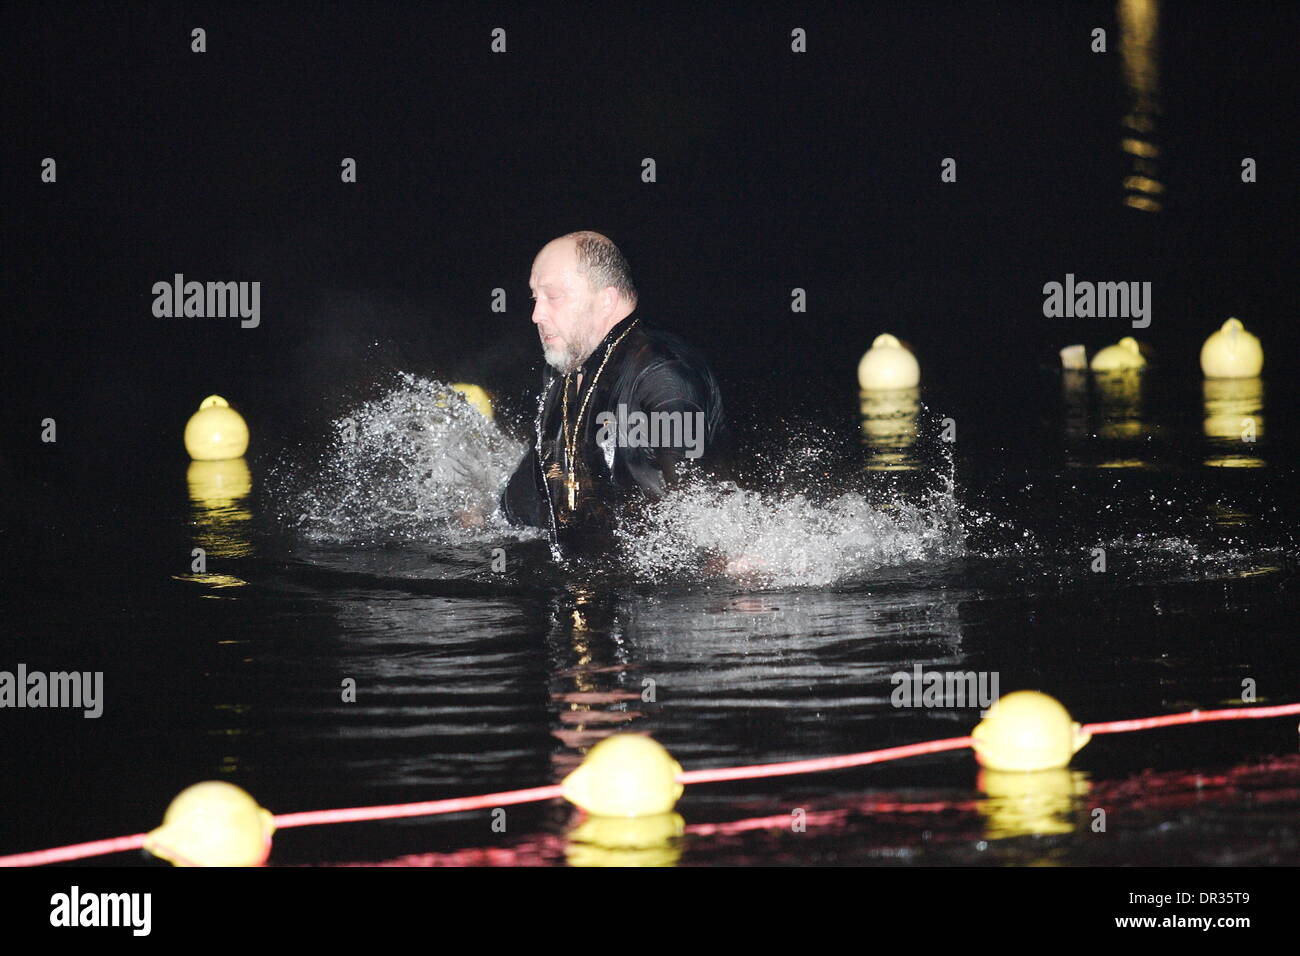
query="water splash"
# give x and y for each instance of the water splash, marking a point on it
(786, 540)
(419, 463)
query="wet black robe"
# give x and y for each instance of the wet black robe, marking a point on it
(650, 371)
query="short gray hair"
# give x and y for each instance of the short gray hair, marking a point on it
(602, 263)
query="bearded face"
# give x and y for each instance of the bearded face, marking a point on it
(566, 353)
(564, 310)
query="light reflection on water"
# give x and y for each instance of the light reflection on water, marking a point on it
(1107, 422)
(889, 428)
(1234, 422)
(1139, 22)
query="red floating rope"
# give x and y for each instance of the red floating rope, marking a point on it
(1191, 717)
(81, 851)
(77, 851)
(427, 808)
(817, 764)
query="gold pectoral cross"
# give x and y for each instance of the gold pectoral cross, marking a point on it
(556, 473)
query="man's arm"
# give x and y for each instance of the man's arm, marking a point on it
(521, 500)
(674, 389)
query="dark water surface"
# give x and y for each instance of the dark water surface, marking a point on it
(871, 545)
(473, 681)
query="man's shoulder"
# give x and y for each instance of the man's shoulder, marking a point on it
(661, 345)
(665, 367)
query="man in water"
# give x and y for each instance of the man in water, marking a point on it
(624, 406)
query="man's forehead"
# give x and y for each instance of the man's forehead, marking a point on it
(553, 278)
(549, 281)
(557, 262)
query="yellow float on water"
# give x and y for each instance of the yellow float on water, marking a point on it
(1027, 731)
(213, 823)
(625, 775)
(1232, 352)
(216, 432)
(888, 364)
(476, 397)
(1124, 354)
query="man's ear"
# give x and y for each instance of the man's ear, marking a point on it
(608, 300)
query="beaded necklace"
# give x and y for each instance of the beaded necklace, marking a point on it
(571, 436)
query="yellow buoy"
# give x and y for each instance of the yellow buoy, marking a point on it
(476, 397)
(887, 364)
(1124, 354)
(625, 775)
(1026, 731)
(1232, 352)
(213, 823)
(216, 432)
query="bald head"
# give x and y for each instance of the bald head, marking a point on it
(582, 288)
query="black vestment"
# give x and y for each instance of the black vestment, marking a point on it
(651, 371)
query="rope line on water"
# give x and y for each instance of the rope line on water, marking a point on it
(1190, 717)
(817, 764)
(426, 808)
(80, 851)
(77, 851)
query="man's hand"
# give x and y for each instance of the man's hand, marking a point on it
(471, 518)
(476, 483)
(743, 569)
